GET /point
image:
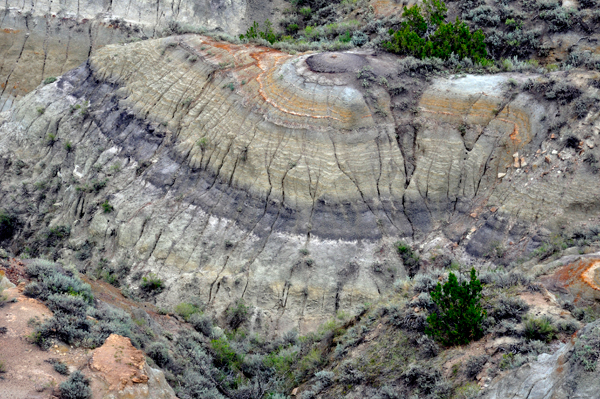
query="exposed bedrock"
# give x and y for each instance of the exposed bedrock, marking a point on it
(565, 374)
(41, 38)
(237, 171)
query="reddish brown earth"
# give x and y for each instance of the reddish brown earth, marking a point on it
(28, 374)
(119, 363)
(116, 368)
(581, 278)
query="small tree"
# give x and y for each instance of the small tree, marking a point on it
(423, 34)
(458, 317)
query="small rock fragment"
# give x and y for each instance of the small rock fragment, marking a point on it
(547, 159)
(501, 175)
(516, 157)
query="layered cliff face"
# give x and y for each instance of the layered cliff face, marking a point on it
(237, 171)
(42, 39)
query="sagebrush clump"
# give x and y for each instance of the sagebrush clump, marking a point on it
(76, 387)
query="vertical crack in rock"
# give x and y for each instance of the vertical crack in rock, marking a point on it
(16, 65)
(355, 184)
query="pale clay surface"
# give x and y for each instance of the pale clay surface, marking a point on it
(232, 184)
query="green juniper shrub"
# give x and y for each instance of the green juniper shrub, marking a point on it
(225, 355)
(459, 316)
(346, 37)
(76, 387)
(49, 79)
(267, 34)
(305, 11)
(8, 224)
(410, 260)
(106, 207)
(237, 314)
(448, 39)
(292, 28)
(152, 283)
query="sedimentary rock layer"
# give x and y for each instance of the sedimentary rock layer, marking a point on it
(41, 39)
(238, 171)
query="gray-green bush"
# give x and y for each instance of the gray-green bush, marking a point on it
(76, 387)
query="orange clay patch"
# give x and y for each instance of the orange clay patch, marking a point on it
(579, 272)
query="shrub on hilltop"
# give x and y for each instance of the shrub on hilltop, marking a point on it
(423, 34)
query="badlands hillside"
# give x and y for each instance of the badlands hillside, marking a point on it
(189, 212)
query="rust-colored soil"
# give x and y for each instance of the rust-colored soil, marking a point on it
(119, 363)
(27, 372)
(582, 278)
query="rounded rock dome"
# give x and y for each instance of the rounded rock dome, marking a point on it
(335, 62)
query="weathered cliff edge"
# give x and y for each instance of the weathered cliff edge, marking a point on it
(559, 375)
(237, 171)
(39, 39)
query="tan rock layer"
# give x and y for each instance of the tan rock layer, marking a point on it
(271, 191)
(119, 363)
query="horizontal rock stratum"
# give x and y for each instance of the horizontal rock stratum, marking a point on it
(41, 38)
(240, 171)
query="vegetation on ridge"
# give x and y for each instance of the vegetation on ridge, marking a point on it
(415, 35)
(342, 356)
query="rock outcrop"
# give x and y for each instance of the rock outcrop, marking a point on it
(120, 371)
(240, 171)
(561, 375)
(41, 39)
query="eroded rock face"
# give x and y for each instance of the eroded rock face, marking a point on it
(239, 171)
(561, 375)
(120, 371)
(41, 39)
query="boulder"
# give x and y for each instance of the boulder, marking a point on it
(120, 371)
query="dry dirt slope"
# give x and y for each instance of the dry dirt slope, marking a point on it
(116, 369)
